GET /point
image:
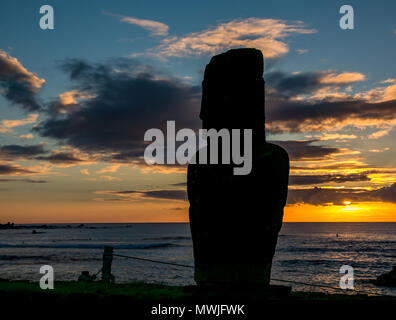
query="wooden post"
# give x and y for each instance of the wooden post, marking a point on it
(107, 260)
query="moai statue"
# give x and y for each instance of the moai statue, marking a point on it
(235, 219)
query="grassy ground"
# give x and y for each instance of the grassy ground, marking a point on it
(139, 299)
(138, 290)
(144, 291)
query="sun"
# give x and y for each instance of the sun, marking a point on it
(347, 203)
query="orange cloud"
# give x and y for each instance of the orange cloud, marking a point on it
(110, 169)
(15, 67)
(263, 34)
(380, 133)
(336, 136)
(380, 94)
(156, 28)
(110, 178)
(70, 97)
(26, 136)
(7, 125)
(343, 77)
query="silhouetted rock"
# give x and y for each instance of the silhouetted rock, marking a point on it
(235, 219)
(387, 279)
(86, 277)
(7, 225)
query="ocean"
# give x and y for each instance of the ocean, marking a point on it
(312, 253)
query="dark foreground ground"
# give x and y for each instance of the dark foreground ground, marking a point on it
(141, 300)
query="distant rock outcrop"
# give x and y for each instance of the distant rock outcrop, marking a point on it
(387, 279)
(7, 225)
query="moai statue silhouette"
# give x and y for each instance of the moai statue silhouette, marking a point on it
(235, 219)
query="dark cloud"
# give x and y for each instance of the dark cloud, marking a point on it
(299, 116)
(178, 209)
(38, 152)
(319, 179)
(9, 169)
(168, 194)
(179, 184)
(387, 194)
(12, 152)
(293, 84)
(304, 150)
(341, 165)
(127, 99)
(24, 180)
(61, 158)
(326, 196)
(19, 85)
(287, 114)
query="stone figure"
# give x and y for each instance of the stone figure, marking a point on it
(235, 219)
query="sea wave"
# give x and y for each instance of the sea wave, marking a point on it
(91, 246)
(168, 238)
(373, 247)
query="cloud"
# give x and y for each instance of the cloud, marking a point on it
(67, 101)
(6, 126)
(13, 170)
(301, 51)
(65, 158)
(124, 98)
(342, 78)
(295, 179)
(379, 150)
(380, 94)
(160, 194)
(311, 83)
(110, 178)
(110, 169)
(26, 136)
(322, 101)
(179, 184)
(379, 134)
(23, 180)
(298, 116)
(304, 150)
(15, 152)
(387, 194)
(314, 196)
(265, 34)
(128, 98)
(336, 136)
(326, 196)
(156, 28)
(20, 85)
(326, 178)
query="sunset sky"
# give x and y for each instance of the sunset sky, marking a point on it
(75, 103)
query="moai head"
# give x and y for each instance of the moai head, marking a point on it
(233, 91)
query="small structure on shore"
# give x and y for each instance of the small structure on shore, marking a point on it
(107, 276)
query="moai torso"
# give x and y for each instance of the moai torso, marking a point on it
(235, 219)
